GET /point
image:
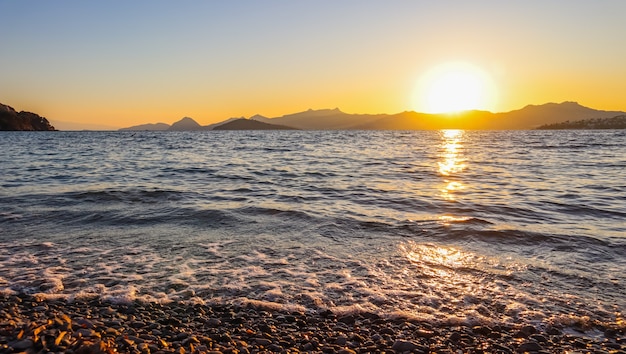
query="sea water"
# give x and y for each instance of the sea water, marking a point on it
(450, 227)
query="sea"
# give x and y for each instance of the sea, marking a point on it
(448, 227)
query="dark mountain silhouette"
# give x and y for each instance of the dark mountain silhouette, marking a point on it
(215, 125)
(618, 122)
(10, 119)
(186, 124)
(533, 116)
(323, 119)
(529, 117)
(250, 124)
(150, 126)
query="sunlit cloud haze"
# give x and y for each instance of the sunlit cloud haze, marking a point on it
(121, 63)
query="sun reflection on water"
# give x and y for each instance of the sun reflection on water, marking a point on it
(447, 192)
(448, 219)
(451, 162)
(438, 261)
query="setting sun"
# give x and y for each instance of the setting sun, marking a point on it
(455, 87)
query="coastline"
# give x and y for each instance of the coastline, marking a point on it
(29, 324)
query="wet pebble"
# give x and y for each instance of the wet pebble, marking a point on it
(22, 344)
(96, 326)
(404, 346)
(529, 347)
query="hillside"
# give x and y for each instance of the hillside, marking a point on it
(10, 119)
(322, 119)
(532, 116)
(185, 124)
(249, 124)
(618, 122)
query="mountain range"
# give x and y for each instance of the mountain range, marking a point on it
(529, 117)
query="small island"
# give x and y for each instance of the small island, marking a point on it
(12, 120)
(618, 122)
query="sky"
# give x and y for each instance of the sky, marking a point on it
(122, 63)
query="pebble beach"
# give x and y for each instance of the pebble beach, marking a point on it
(32, 325)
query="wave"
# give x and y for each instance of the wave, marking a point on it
(529, 230)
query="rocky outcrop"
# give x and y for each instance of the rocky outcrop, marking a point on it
(10, 119)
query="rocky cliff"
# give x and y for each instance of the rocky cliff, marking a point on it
(10, 119)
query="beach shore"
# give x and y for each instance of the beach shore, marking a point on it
(31, 325)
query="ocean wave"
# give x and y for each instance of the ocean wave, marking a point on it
(526, 228)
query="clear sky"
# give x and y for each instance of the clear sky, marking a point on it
(122, 63)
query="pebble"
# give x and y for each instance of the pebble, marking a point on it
(528, 330)
(85, 323)
(423, 333)
(404, 346)
(539, 338)
(96, 326)
(346, 351)
(529, 347)
(262, 341)
(86, 332)
(454, 337)
(341, 340)
(22, 344)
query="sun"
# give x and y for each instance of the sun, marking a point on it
(454, 87)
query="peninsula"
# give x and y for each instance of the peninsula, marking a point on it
(618, 122)
(10, 119)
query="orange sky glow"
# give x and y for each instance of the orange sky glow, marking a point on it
(119, 64)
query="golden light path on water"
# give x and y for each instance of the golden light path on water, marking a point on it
(449, 270)
(452, 162)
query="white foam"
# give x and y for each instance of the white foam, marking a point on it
(273, 306)
(435, 283)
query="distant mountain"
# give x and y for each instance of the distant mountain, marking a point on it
(10, 119)
(215, 125)
(150, 126)
(323, 119)
(249, 124)
(186, 124)
(618, 122)
(529, 117)
(533, 116)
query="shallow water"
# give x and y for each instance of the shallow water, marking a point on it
(446, 226)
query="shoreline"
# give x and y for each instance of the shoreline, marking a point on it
(29, 324)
